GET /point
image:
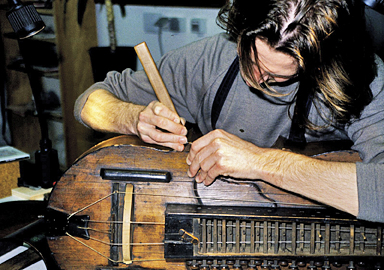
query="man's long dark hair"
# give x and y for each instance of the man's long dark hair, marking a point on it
(326, 37)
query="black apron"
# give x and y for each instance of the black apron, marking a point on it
(296, 135)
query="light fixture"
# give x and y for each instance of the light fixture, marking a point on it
(26, 22)
(24, 19)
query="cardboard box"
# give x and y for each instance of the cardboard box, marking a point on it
(26, 193)
(10, 169)
(9, 175)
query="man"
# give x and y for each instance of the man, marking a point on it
(306, 73)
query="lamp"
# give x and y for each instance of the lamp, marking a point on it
(26, 22)
(24, 19)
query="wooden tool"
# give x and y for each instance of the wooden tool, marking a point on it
(153, 75)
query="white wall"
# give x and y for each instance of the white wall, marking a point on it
(130, 29)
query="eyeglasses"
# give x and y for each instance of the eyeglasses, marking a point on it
(269, 79)
(276, 79)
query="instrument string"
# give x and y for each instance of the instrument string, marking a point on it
(126, 244)
(89, 205)
(91, 248)
(131, 222)
(223, 190)
(108, 258)
(148, 223)
(95, 230)
(213, 198)
(181, 196)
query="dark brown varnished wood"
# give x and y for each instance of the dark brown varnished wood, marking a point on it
(82, 186)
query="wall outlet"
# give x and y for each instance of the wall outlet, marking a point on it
(152, 22)
(199, 26)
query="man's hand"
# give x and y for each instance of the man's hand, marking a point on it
(159, 125)
(222, 153)
(154, 123)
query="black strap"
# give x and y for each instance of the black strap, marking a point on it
(297, 131)
(302, 108)
(223, 91)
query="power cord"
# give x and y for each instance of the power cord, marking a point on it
(161, 23)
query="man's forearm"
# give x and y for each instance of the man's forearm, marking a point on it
(116, 116)
(221, 153)
(331, 183)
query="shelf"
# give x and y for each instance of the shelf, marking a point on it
(55, 115)
(46, 71)
(51, 38)
(22, 110)
(43, 37)
(45, 11)
(29, 109)
(41, 71)
(71, 43)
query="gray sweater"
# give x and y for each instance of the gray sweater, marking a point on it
(192, 75)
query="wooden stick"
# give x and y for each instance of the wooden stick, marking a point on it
(127, 218)
(153, 75)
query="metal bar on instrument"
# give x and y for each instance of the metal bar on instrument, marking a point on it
(338, 237)
(362, 236)
(283, 236)
(230, 236)
(327, 238)
(313, 239)
(209, 235)
(243, 234)
(258, 237)
(379, 240)
(237, 237)
(294, 238)
(302, 237)
(214, 236)
(252, 236)
(276, 246)
(196, 228)
(219, 235)
(224, 236)
(204, 235)
(351, 239)
(318, 237)
(265, 237)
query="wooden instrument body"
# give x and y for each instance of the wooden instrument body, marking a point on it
(82, 187)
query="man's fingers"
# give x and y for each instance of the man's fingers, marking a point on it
(167, 119)
(159, 125)
(161, 110)
(176, 146)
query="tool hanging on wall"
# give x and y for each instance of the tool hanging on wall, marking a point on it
(111, 25)
(105, 59)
